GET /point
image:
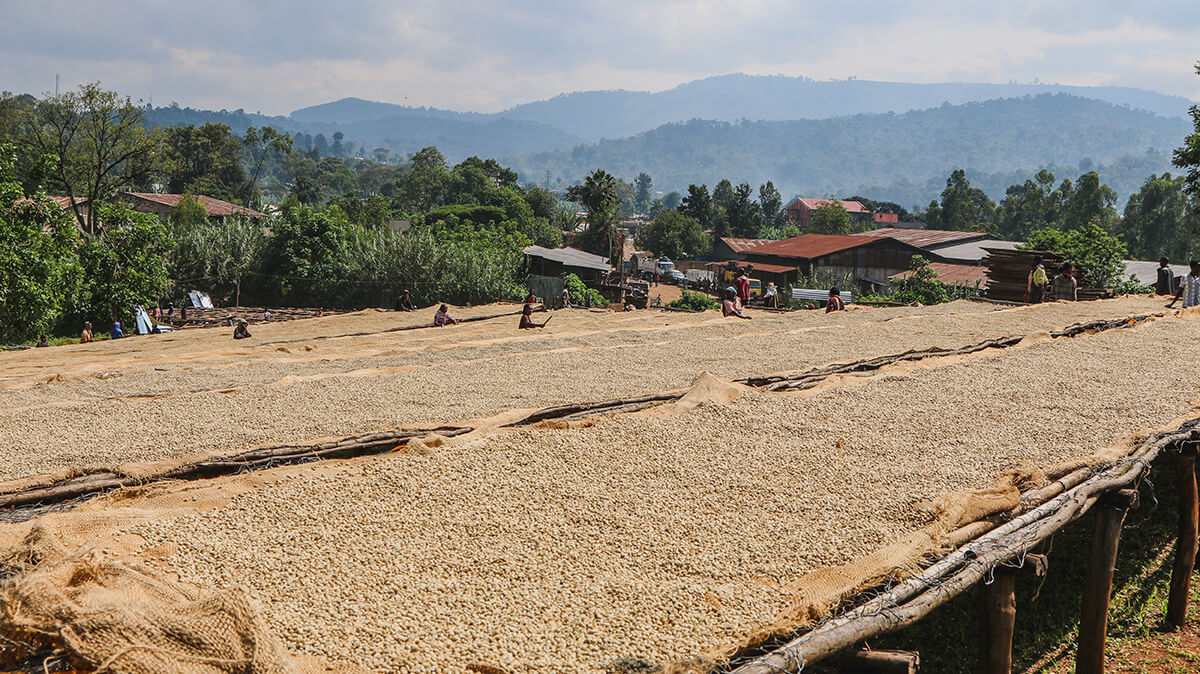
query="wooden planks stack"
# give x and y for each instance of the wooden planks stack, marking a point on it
(1008, 271)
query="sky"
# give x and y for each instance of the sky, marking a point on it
(274, 56)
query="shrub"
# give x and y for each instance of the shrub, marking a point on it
(694, 302)
(581, 294)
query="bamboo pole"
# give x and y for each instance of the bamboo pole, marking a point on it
(1097, 589)
(1189, 528)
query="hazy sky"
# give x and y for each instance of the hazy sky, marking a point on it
(274, 56)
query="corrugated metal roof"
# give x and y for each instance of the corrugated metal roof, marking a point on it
(742, 245)
(63, 202)
(814, 204)
(1146, 272)
(214, 207)
(772, 268)
(570, 257)
(953, 273)
(973, 251)
(928, 239)
(809, 246)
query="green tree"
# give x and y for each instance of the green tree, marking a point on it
(187, 214)
(672, 199)
(1188, 156)
(963, 207)
(1097, 253)
(38, 267)
(673, 234)
(261, 146)
(217, 256)
(1025, 208)
(124, 265)
(1159, 222)
(771, 203)
(598, 194)
(641, 199)
(698, 205)
(307, 254)
(745, 217)
(722, 201)
(1090, 202)
(831, 218)
(100, 140)
(424, 186)
(203, 160)
(922, 285)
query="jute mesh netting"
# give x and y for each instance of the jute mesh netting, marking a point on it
(108, 616)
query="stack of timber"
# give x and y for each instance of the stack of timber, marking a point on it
(1008, 271)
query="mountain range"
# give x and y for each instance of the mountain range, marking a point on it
(896, 140)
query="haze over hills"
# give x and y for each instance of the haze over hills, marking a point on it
(592, 115)
(803, 138)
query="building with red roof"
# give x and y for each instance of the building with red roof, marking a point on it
(800, 210)
(861, 260)
(163, 204)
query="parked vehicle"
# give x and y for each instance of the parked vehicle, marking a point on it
(677, 277)
(637, 294)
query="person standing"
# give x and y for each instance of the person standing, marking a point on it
(770, 297)
(1189, 289)
(566, 298)
(1165, 283)
(1035, 289)
(85, 337)
(1065, 286)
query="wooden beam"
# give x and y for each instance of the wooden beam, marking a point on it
(879, 662)
(1097, 589)
(1189, 528)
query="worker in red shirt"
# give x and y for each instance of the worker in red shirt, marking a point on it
(742, 283)
(835, 301)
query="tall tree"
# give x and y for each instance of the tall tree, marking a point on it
(698, 205)
(261, 146)
(125, 265)
(203, 160)
(1158, 221)
(1090, 202)
(745, 217)
(771, 203)
(674, 235)
(100, 141)
(1032, 206)
(598, 194)
(641, 198)
(38, 269)
(1188, 156)
(963, 207)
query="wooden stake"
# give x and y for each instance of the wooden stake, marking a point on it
(1000, 613)
(1097, 589)
(1189, 527)
(885, 662)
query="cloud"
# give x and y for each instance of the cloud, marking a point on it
(486, 55)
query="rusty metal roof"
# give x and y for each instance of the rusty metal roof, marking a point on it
(772, 268)
(929, 239)
(953, 273)
(814, 204)
(742, 245)
(214, 207)
(809, 246)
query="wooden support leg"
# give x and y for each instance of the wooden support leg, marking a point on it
(1189, 527)
(1000, 613)
(878, 662)
(1097, 589)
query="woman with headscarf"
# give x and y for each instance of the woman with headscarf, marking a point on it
(443, 318)
(732, 305)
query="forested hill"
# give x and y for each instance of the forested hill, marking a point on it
(903, 158)
(592, 115)
(457, 135)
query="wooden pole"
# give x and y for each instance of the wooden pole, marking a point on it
(1189, 527)
(1000, 613)
(882, 662)
(1097, 589)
